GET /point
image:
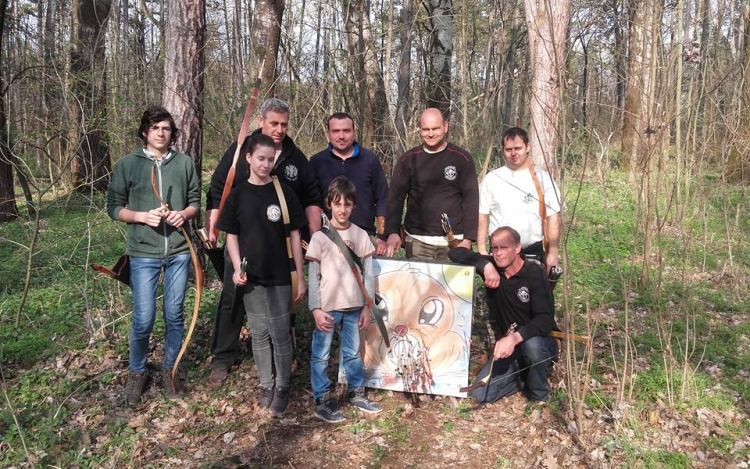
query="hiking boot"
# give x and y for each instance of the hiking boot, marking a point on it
(217, 376)
(280, 400)
(172, 389)
(266, 396)
(327, 409)
(134, 387)
(358, 399)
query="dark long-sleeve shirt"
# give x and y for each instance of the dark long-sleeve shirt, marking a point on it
(525, 298)
(435, 183)
(364, 170)
(292, 168)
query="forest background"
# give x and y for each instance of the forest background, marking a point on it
(640, 108)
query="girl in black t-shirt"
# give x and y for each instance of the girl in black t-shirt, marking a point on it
(253, 221)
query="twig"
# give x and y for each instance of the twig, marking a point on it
(13, 413)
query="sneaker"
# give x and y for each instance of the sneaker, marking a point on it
(134, 387)
(217, 376)
(266, 396)
(280, 400)
(358, 399)
(327, 410)
(172, 389)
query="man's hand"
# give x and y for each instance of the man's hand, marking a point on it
(365, 317)
(211, 219)
(154, 217)
(239, 277)
(465, 243)
(393, 244)
(323, 320)
(505, 346)
(301, 287)
(552, 258)
(380, 247)
(491, 276)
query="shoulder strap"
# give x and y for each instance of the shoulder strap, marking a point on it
(287, 232)
(542, 205)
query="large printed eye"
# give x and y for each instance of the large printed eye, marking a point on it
(431, 312)
(382, 304)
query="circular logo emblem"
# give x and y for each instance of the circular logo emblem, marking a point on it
(450, 173)
(273, 212)
(291, 172)
(523, 295)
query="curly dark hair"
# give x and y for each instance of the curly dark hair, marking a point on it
(154, 115)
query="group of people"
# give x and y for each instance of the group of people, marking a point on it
(340, 201)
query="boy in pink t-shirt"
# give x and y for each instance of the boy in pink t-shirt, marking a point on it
(337, 301)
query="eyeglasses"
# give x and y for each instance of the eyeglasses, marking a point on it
(156, 128)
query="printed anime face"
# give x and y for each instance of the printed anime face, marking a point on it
(419, 318)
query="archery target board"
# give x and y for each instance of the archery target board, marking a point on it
(428, 317)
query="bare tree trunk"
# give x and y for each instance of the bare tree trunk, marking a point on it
(547, 26)
(441, 52)
(237, 35)
(620, 55)
(91, 165)
(183, 75)
(8, 209)
(509, 117)
(403, 100)
(738, 168)
(266, 34)
(635, 119)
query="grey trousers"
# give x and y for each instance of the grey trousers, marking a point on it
(268, 312)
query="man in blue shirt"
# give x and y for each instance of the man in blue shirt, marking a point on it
(345, 157)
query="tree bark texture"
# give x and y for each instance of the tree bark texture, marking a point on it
(636, 118)
(368, 80)
(739, 159)
(266, 38)
(547, 25)
(91, 164)
(183, 74)
(8, 209)
(403, 80)
(441, 52)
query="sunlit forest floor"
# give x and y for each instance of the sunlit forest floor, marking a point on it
(667, 383)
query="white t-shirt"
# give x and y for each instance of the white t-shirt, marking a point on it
(510, 199)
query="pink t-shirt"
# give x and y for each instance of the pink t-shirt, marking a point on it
(338, 286)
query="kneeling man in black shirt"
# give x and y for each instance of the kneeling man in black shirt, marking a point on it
(520, 302)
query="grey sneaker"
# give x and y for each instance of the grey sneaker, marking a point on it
(327, 409)
(280, 400)
(266, 396)
(172, 389)
(134, 387)
(358, 399)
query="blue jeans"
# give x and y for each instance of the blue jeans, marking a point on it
(525, 369)
(144, 277)
(348, 324)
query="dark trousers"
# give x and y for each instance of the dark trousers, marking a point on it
(525, 369)
(230, 315)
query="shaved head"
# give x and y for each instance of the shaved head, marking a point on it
(433, 129)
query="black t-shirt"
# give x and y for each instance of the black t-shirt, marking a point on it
(525, 298)
(254, 213)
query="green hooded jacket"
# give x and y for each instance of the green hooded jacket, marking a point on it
(131, 187)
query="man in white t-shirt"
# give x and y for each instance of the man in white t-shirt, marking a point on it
(508, 197)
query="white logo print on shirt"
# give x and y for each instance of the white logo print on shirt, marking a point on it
(273, 212)
(291, 172)
(450, 173)
(523, 295)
